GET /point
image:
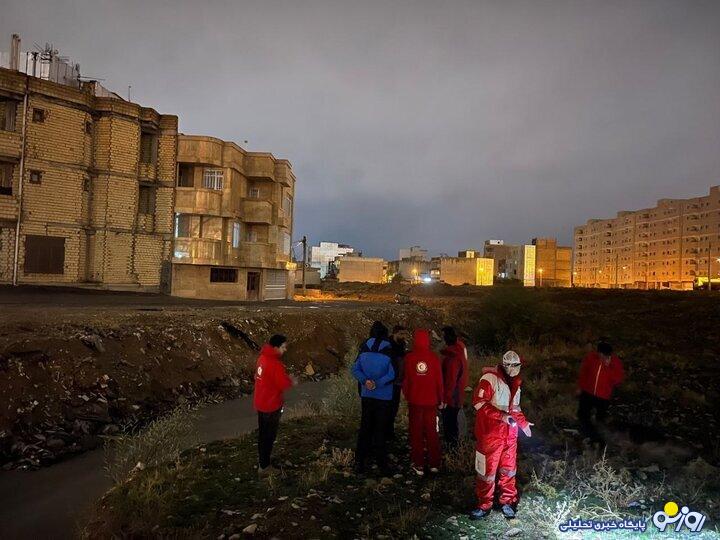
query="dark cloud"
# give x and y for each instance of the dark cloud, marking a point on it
(439, 123)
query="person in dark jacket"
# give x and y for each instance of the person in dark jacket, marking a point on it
(398, 344)
(455, 379)
(600, 373)
(271, 381)
(374, 372)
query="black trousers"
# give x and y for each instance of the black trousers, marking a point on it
(394, 407)
(268, 424)
(373, 432)
(587, 403)
(450, 425)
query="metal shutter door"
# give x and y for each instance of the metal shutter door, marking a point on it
(276, 284)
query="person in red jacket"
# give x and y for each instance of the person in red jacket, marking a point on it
(271, 380)
(600, 373)
(455, 377)
(497, 402)
(423, 390)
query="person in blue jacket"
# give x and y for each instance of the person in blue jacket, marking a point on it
(374, 372)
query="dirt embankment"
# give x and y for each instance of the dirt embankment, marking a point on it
(69, 380)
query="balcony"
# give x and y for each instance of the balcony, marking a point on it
(259, 166)
(198, 251)
(10, 144)
(8, 208)
(283, 174)
(198, 201)
(256, 211)
(256, 254)
(147, 171)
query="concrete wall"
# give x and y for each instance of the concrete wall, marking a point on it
(361, 269)
(462, 271)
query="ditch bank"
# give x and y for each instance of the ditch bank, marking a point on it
(67, 383)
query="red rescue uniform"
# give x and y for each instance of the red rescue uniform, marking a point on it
(271, 380)
(597, 379)
(423, 390)
(496, 395)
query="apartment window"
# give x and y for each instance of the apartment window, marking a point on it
(35, 177)
(6, 175)
(236, 234)
(148, 148)
(254, 192)
(251, 236)
(146, 200)
(185, 176)
(223, 275)
(88, 127)
(213, 179)
(39, 115)
(86, 183)
(44, 255)
(182, 225)
(8, 112)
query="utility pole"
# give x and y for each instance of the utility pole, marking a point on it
(709, 266)
(616, 270)
(304, 243)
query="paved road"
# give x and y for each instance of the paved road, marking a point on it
(49, 503)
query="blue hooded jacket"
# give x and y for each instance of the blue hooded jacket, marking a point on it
(373, 363)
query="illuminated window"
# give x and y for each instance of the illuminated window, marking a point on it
(236, 235)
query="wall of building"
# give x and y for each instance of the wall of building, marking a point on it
(462, 271)
(361, 269)
(667, 246)
(553, 263)
(82, 182)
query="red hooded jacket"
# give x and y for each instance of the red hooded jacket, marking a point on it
(598, 379)
(422, 384)
(271, 380)
(455, 373)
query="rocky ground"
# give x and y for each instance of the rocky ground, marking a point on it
(69, 380)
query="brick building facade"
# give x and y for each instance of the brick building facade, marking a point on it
(86, 185)
(674, 245)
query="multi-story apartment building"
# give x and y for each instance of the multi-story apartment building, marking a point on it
(86, 185)
(324, 255)
(553, 263)
(674, 245)
(233, 222)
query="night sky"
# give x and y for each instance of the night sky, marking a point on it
(433, 123)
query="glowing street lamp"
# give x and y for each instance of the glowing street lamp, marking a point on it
(540, 271)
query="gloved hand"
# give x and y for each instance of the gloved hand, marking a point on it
(527, 431)
(509, 420)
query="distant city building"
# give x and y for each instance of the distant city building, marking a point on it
(553, 263)
(468, 254)
(520, 264)
(499, 252)
(361, 269)
(324, 254)
(414, 252)
(410, 269)
(466, 270)
(673, 245)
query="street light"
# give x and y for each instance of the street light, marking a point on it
(540, 271)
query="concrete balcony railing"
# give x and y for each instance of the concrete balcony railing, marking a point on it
(198, 201)
(259, 166)
(8, 208)
(256, 211)
(147, 170)
(256, 254)
(283, 174)
(198, 251)
(283, 220)
(10, 143)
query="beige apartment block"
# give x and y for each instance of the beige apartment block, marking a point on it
(553, 263)
(86, 186)
(674, 245)
(466, 270)
(362, 269)
(233, 222)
